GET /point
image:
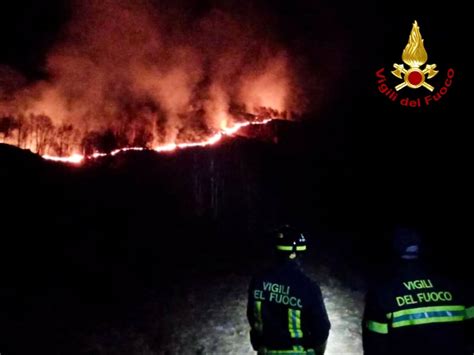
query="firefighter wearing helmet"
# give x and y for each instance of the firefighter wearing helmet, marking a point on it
(285, 310)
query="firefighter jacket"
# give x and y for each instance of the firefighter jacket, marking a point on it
(286, 312)
(415, 311)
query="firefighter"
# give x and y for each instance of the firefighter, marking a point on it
(413, 310)
(285, 308)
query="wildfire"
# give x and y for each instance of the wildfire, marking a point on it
(229, 131)
(147, 82)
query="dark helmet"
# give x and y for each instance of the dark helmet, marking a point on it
(290, 240)
(406, 242)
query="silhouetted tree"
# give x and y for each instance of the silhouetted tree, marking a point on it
(103, 142)
(90, 142)
(64, 139)
(7, 125)
(142, 138)
(108, 141)
(23, 130)
(42, 130)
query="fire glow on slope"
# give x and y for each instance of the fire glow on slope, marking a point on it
(147, 80)
(79, 158)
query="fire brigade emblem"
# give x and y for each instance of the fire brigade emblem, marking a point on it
(415, 56)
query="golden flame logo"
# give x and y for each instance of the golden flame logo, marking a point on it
(414, 55)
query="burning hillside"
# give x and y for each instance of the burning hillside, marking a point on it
(131, 74)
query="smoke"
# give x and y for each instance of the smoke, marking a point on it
(154, 75)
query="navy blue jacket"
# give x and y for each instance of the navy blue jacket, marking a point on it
(415, 311)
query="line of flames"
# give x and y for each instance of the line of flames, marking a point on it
(79, 158)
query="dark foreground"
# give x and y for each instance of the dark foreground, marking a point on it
(151, 254)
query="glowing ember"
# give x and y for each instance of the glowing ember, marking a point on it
(78, 158)
(75, 158)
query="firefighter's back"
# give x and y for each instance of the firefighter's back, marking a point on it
(413, 309)
(287, 299)
(285, 308)
(426, 312)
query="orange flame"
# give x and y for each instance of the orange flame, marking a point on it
(229, 131)
(73, 159)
